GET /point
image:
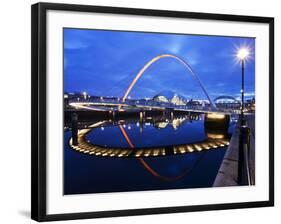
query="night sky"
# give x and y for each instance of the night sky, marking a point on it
(103, 63)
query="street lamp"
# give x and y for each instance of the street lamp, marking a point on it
(243, 154)
(242, 55)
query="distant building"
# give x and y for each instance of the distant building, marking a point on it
(170, 97)
(227, 102)
(176, 100)
(161, 99)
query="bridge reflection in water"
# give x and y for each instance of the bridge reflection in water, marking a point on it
(189, 138)
(215, 139)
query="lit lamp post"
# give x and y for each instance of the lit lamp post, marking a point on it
(243, 161)
(242, 55)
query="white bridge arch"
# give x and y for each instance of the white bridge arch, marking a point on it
(153, 60)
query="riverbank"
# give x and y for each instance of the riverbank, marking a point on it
(228, 172)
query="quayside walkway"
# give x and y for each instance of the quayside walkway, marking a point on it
(228, 172)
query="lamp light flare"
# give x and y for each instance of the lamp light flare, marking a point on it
(243, 53)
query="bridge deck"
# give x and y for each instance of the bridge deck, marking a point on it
(97, 106)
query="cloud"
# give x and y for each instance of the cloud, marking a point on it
(176, 44)
(74, 45)
(220, 84)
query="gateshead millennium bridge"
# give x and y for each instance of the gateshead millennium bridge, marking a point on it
(123, 105)
(216, 117)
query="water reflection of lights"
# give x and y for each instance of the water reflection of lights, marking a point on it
(177, 122)
(154, 172)
(85, 146)
(162, 124)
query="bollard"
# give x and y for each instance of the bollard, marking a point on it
(243, 158)
(74, 129)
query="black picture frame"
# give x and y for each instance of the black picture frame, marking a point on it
(38, 108)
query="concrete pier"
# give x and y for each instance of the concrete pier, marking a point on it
(228, 172)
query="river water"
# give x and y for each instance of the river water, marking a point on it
(84, 173)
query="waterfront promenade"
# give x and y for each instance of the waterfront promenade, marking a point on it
(228, 172)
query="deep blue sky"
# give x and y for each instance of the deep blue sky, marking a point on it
(105, 62)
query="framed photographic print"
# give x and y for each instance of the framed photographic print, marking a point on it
(138, 111)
